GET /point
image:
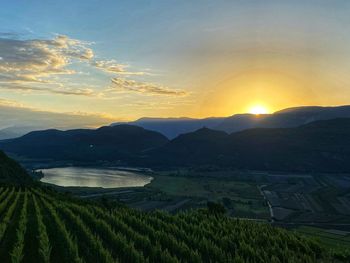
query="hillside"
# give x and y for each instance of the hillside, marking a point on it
(105, 143)
(201, 146)
(319, 146)
(72, 230)
(11, 172)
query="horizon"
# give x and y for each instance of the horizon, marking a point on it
(121, 61)
(3, 128)
(131, 122)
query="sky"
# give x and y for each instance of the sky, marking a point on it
(87, 63)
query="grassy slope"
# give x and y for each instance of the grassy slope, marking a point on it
(96, 232)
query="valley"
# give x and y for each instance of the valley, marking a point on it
(288, 200)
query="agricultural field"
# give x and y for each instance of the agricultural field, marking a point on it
(290, 198)
(40, 225)
(297, 201)
(321, 199)
(336, 239)
(172, 192)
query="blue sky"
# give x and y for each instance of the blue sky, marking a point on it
(127, 59)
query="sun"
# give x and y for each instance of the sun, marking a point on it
(258, 109)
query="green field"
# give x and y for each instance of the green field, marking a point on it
(173, 192)
(334, 239)
(239, 197)
(312, 199)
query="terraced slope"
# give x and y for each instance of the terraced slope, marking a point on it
(37, 225)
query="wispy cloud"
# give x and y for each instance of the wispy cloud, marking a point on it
(62, 91)
(127, 85)
(163, 105)
(112, 66)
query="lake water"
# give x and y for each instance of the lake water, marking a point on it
(94, 177)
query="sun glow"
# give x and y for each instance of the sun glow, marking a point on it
(258, 109)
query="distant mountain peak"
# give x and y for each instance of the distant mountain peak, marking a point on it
(311, 109)
(148, 119)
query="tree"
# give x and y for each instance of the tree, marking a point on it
(215, 208)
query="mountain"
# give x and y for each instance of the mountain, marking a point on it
(318, 146)
(322, 146)
(105, 143)
(287, 118)
(202, 145)
(11, 171)
(239, 122)
(172, 127)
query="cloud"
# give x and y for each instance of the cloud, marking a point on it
(34, 60)
(34, 65)
(62, 91)
(163, 105)
(127, 85)
(111, 66)
(10, 103)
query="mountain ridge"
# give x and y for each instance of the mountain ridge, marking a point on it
(319, 146)
(289, 117)
(104, 143)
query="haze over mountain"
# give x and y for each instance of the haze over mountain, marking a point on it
(17, 131)
(290, 117)
(172, 127)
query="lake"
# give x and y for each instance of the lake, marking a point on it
(94, 177)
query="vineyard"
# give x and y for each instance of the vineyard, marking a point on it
(39, 225)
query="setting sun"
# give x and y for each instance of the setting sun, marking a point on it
(258, 109)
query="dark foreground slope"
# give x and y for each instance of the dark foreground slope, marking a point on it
(318, 146)
(41, 226)
(11, 172)
(105, 143)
